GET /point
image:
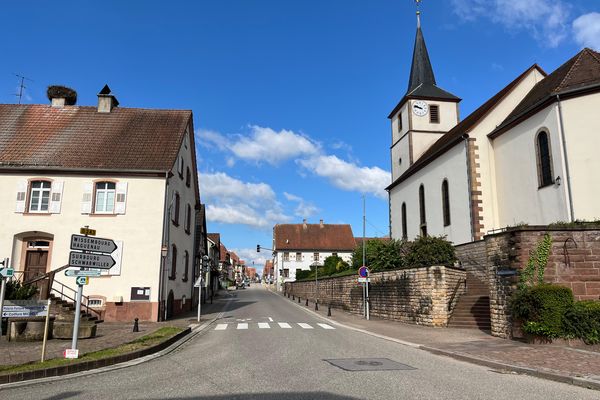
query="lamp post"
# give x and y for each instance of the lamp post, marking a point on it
(205, 260)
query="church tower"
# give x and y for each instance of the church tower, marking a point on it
(424, 114)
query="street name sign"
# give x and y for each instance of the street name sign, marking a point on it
(364, 280)
(24, 308)
(7, 272)
(74, 272)
(87, 231)
(98, 245)
(90, 260)
(82, 280)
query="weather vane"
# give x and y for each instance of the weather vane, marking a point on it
(418, 3)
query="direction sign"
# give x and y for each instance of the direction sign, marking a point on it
(7, 272)
(363, 272)
(74, 272)
(82, 280)
(91, 260)
(24, 308)
(98, 245)
(87, 231)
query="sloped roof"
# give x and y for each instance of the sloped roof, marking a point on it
(579, 73)
(80, 137)
(315, 237)
(214, 237)
(455, 135)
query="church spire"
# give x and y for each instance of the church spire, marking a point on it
(420, 71)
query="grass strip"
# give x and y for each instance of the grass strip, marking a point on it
(152, 339)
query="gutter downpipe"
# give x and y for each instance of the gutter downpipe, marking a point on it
(466, 139)
(163, 264)
(566, 158)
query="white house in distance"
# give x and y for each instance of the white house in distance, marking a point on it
(298, 246)
(128, 173)
(524, 156)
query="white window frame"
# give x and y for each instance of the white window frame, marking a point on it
(106, 192)
(41, 190)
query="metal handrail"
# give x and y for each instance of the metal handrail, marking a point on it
(73, 299)
(460, 282)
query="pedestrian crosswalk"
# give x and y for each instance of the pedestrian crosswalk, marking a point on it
(268, 325)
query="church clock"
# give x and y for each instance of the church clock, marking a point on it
(420, 108)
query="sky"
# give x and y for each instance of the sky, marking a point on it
(290, 97)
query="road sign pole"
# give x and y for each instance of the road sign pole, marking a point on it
(367, 299)
(2, 291)
(77, 317)
(46, 325)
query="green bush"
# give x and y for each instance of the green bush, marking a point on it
(542, 308)
(381, 255)
(430, 250)
(583, 321)
(16, 291)
(303, 274)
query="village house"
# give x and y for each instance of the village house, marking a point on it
(128, 173)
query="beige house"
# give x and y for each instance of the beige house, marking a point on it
(128, 173)
(524, 156)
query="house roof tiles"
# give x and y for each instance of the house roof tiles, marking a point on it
(317, 237)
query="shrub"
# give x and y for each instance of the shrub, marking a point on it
(381, 255)
(533, 273)
(542, 308)
(583, 321)
(331, 264)
(303, 274)
(16, 291)
(430, 250)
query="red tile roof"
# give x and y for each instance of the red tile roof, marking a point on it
(313, 237)
(80, 137)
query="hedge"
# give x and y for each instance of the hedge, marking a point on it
(583, 321)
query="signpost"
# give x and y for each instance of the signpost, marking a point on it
(5, 267)
(82, 280)
(91, 260)
(98, 245)
(89, 272)
(24, 308)
(363, 273)
(7, 272)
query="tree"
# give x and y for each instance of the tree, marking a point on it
(380, 255)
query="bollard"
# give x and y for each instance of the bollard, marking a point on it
(298, 299)
(317, 305)
(307, 302)
(329, 310)
(136, 326)
(293, 298)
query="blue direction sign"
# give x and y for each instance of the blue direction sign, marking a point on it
(363, 272)
(91, 260)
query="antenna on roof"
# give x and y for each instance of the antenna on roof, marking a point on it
(21, 86)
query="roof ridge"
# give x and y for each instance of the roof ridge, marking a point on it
(594, 54)
(570, 71)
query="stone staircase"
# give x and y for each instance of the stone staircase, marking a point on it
(64, 313)
(472, 311)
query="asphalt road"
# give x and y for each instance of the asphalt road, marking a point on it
(267, 347)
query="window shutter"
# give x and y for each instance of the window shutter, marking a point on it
(121, 197)
(21, 196)
(56, 197)
(86, 201)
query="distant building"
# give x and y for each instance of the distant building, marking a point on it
(128, 173)
(526, 155)
(300, 246)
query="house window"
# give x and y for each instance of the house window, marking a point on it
(544, 160)
(188, 218)
(400, 161)
(173, 262)
(334, 254)
(175, 210)
(315, 256)
(298, 256)
(446, 202)
(404, 225)
(95, 303)
(180, 167)
(286, 256)
(286, 273)
(39, 197)
(434, 114)
(188, 177)
(186, 263)
(423, 218)
(399, 122)
(105, 198)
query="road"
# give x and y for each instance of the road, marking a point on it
(267, 347)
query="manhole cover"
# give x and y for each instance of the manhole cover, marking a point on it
(368, 364)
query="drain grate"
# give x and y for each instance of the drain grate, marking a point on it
(368, 364)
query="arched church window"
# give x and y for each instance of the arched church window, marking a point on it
(404, 225)
(446, 202)
(423, 218)
(544, 159)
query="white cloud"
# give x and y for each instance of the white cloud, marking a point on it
(304, 208)
(587, 30)
(232, 201)
(349, 176)
(208, 138)
(546, 20)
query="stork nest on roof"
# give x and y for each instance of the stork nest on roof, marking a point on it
(68, 94)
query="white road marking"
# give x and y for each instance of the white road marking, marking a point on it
(270, 319)
(264, 325)
(284, 325)
(242, 326)
(305, 326)
(325, 326)
(221, 327)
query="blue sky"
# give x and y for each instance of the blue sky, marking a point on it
(290, 98)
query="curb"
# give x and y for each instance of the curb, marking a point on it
(106, 364)
(571, 380)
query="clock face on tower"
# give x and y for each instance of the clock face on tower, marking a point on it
(420, 108)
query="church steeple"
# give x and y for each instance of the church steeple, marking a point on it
(420, 71)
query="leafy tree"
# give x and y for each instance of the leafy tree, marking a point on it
(381, 255)
(426, 251)
(16, 291)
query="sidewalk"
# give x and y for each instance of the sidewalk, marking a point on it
(561, 363)
(110, 334)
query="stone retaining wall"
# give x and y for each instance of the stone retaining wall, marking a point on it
(421, 296)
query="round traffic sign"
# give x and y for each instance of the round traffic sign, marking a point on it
(363, 271)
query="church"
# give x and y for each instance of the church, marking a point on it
(525, 156)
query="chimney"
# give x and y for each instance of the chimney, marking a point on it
(61, 96)
(321, 223)
(106, 100)
(304, 223)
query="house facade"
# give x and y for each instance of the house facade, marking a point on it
(523, 156)
(300, 246)
(129, 174)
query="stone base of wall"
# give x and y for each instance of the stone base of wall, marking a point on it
(144, 310)
(423, 296)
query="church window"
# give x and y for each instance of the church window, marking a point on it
(434, 114)
(544, 160)
(423, 218)
(400, 122)
(446, 202)
(404, 225)
(400, 161)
